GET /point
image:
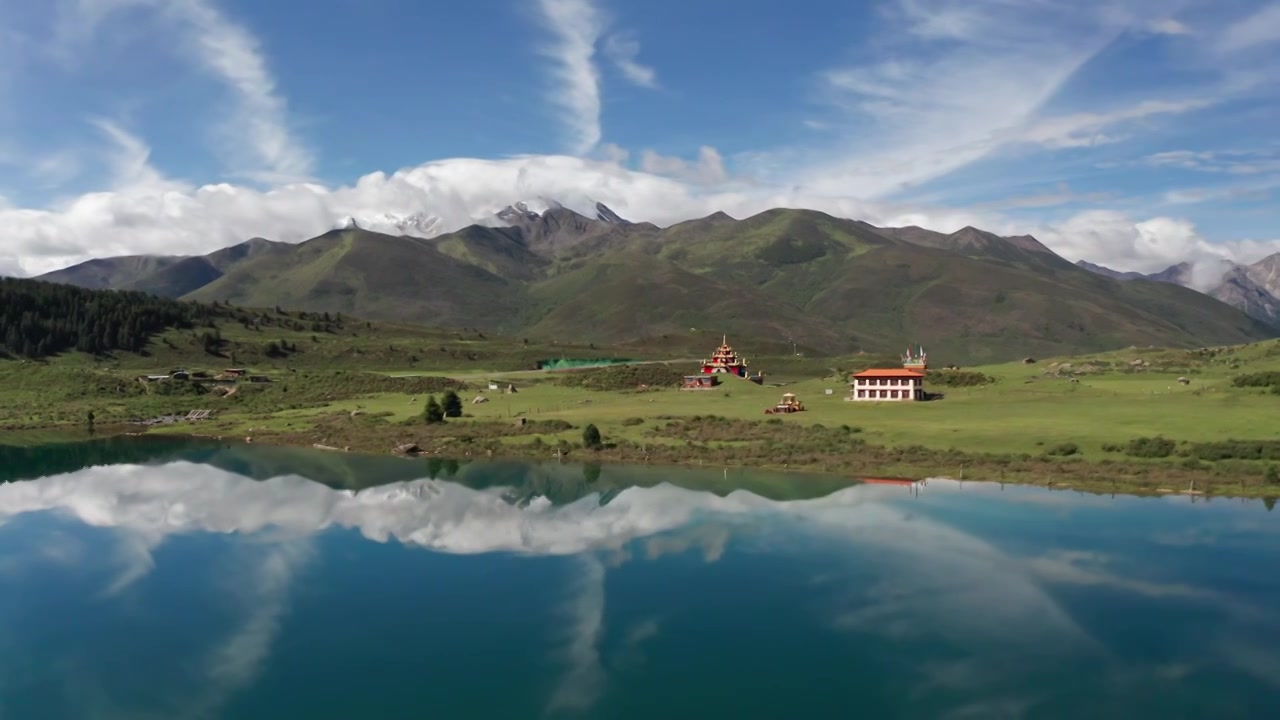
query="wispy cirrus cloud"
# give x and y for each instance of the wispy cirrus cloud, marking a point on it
(953, 83)
(623, 51)
(578, 28)
(255, 134)
(130, 161)
(1233, 162)
(1061, 195)
(1252, 31)
(229, 51)
(1169, 26)
(933, 88)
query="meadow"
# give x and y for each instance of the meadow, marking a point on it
(1149, 419)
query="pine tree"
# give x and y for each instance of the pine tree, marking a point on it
(452, 404)
(433, 413)
(591, 437)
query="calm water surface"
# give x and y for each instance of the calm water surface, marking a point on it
(187, 580)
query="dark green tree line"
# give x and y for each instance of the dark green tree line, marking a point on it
(38, 319)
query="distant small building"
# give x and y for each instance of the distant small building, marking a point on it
(181, 375)
(235, 372)
(699, 382)
(890, 384)
(155, 378)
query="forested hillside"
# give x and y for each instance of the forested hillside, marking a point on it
(39, 318)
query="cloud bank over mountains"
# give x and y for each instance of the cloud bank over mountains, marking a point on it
(887, 136)
(152, 214)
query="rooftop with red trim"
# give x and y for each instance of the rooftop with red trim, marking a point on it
(888, 372)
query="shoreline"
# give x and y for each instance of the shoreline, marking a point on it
(1098, 477)
(723, 442)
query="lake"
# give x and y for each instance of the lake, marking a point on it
(182, 579)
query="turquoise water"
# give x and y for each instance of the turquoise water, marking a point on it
(190, 580)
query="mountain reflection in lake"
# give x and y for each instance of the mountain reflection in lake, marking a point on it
(176, 580)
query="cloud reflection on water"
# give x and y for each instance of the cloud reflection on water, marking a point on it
(930, 581)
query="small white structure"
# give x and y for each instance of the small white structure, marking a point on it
(887, 385)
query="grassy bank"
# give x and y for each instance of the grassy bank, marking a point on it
(1134, 420)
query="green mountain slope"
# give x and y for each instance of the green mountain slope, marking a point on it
(829, 285)
(632, 295)
(371, 275)
(113, 273)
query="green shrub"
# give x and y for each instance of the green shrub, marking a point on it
(1236, 450)
(632, 422)
(1063, 450)
(959, 378)
(623, 377)
(1150, 447)
(1259, 379)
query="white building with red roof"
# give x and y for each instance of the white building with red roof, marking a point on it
(892, 384)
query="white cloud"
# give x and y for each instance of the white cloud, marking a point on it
(230, 51)
(613, 153)
(1260, 28)
(56, 168)
(576, 25)
(951, 84)
(1255, 191)
(172, 218)
(1115, 240)
(256, 136)
(131, 163)
(1169, 26)
(1235, 162)
(1089, 129)
(623, 51)
(1061, 196)
(958, 83)
(167, 217)
(708, 169)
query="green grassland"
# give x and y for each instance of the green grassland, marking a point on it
(1069, 421)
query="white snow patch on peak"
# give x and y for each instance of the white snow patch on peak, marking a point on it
(537, 205)
(418, 224)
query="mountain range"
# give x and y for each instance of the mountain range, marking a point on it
(781, 279)
(1254, 288)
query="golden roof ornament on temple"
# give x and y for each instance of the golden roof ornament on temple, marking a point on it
(725, 360)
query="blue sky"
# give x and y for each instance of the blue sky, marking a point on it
(1131, 132)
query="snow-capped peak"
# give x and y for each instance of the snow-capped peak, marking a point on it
(419, 224)
(532, 210)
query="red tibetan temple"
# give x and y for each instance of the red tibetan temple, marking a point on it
(725, 360)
